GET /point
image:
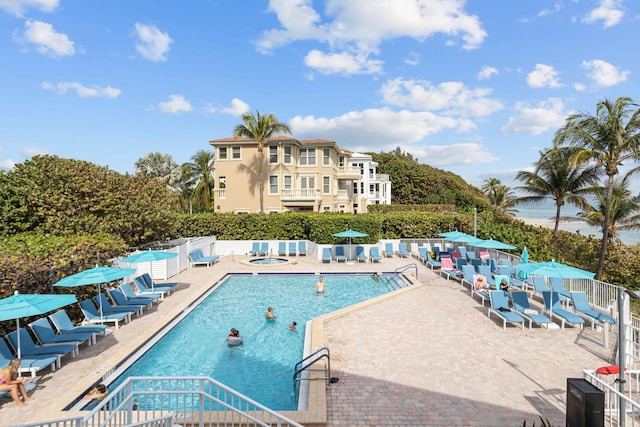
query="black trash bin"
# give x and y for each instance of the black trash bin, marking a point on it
(585, 404)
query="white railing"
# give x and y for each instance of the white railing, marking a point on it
(220, 194)
(612, 397)
(343, 194)
(349, 170)
(301, 193)
(66, 422)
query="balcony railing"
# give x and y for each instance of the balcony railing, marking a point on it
(300, 194)
(220, 194)
(348, 171)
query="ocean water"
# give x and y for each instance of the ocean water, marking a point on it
(547, 210)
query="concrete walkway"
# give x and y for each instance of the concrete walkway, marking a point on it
(429, 356)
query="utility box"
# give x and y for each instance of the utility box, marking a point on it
(585, 404)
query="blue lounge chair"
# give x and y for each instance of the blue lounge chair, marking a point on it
(482, 293)
(463, 252)
(558, 286)
(149, 281)
(103, 303)
(505, 262)
(504, 270)
(282, 248)
(255, 248)
(486, 272)
(360, 254)
(538, 285)
(476, 263)
(422, 254)
(92, 315)
(582, 306)
(449, 270)
(46, 335)
(326, 255)
(402, 250)
(340, 257)
(264, 249)
(436, 252)
(29, 348)
(467, 276)
(460, 262)
(302, 248)
(521, 305)
(491, 262)
(128, 291)
(196, 257)
(374, 254)
(292, 248)
(31, 364)
(144, 289)
(500, 306)
(432, 263)
(118, 297)
(553, 306)
(471, 254)
(388, 250)
(63, 323)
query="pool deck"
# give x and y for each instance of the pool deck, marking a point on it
(424, 356)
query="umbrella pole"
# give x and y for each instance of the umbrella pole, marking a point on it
(18, 330)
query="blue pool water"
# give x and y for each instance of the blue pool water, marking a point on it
(262, 368)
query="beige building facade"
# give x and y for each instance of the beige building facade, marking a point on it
(297, 175)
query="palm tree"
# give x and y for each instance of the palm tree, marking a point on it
(200, 172)
(260, 127)
(555, 177)
(160, 166)
(609, 139)
(625, 209)
(500, 196)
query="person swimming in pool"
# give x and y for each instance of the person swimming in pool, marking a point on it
(234, 338)
(292, 326)
(320, 286)
(269, 314)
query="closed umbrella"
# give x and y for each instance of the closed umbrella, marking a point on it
(149, 256)
(25, 305)
(350, 234)
(524, 259)
(95, 276)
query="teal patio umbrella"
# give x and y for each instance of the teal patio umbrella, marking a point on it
(350, 234)
(95, 276)
(25, 305)
(149, 256)
(554, 269)
(491, 244)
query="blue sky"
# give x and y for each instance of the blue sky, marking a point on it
(476, 87)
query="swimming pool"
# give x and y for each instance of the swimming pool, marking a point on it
(262, 368)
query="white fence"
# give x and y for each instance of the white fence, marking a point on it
(613, 398)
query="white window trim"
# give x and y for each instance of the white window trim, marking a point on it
(323, 178)
(239, 149)
(277, 185)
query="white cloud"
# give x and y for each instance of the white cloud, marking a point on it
(342, 63)
(238, 107)
(82, 91)
(579, 87)
(175, 104)
(152, 43)
(7, 164)
(543, 76)
(48, 41)
(360, 26)
(610, 12)
(556, 8)
(454, 154)
(486, 72)
(19, 7)
(30, 151)
(603, 73)
(412, 58)
(545, 116)
(447, 97)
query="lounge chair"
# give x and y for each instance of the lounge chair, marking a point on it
(28, 347)
(264, 249)
(374, 254)
(505, 262)
(482, 293)
(63, 324)
(436, 252)
(422, 254)
(196, 257)
(149, 281)
(471, 255)
(484, 255)
(31, 364)
(486, 272)
(302, 248)
(582, 306)
(491, 262)
(538, 285)
(292, 248)
(144, 289)
(476, 263)
(553, 306)
(326, 255)
(460, 262)
(455, 256)
(46, 335)
(255, 248)
(504, 270)
(282, 248)
(360, 254)
(432, 263)
(448, 269)
(340, 257)
(388, 250)
(92, 315)
(521, 305)
(467, 276)
(500, 306)
(120, 299)
(128, 291)
(103, 303)
(463, 252)
(415, 249)
(402, 250)
(558, 286)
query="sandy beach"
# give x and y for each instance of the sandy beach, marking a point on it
(548, 223)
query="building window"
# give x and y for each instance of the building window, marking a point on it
(341, 161)
(273, 184)
(286, 184)
(287, 154)
(273, 155)
(326, 184)
(326, 208)
(222, 153)
(308, 182)
(235, 153)
(326, 157)
(222, 182)
(355, 188)
(307, 156)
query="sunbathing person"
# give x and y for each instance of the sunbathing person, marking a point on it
(481, 284)
(506, 286)
(10, 382)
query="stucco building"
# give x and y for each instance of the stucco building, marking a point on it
(297, 175)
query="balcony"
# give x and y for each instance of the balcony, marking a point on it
(220, 194)
(349, 172)
(298, 196)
